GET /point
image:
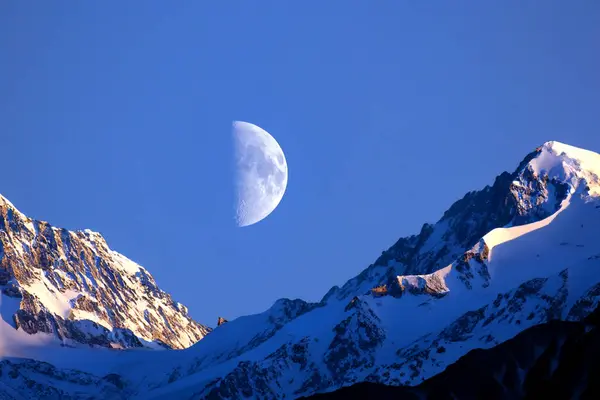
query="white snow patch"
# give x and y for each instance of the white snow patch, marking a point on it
(568, 164)
(56, 302)
(124, 263)
(82, 315)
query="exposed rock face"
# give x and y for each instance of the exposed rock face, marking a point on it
(72, 285)
(557, 359)
(513, 199)
(253, 379)
(470, 269)
(355, 341)
(221, 321)
(40, 380)
(263, 327)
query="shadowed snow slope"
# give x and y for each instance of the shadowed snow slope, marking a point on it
(519, 253)
(558, 359)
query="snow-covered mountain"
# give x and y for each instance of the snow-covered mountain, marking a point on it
(554, 360)
(72, 287)
(519, 253)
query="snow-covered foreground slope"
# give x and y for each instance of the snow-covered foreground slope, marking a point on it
(518, 253)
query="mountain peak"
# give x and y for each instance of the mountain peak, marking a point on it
(534, 191)
(588, 159)
(4, 202)
(72, 286)
(560, 147)
(566, 164)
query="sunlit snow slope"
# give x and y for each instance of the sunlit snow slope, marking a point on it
(70, 288)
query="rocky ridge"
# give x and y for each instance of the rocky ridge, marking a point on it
(556, 359)
(514, 198)
(72, 286)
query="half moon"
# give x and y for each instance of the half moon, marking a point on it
(261, 173)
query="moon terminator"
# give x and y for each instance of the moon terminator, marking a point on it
(261, 173)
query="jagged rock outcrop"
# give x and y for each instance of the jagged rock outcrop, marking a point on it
(39, 380)
(557, 359)
(355, 341)
(221, 321)
(513, 199)
(248, 334)
(72, 285)
(253, 379)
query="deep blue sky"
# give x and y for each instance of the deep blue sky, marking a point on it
(117, 118)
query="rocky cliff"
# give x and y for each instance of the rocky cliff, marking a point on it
(72, 286)
(557, 359)
(523, 196)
